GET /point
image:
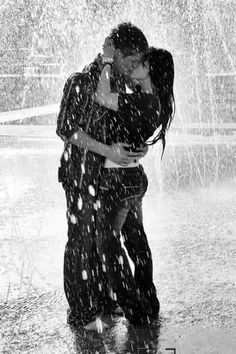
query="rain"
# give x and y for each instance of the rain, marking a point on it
(190, 205)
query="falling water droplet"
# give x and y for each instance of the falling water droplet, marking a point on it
(99, 325)
(121, 260)
(80, 203)
(91, 190)
(73, 219)
(66, 156)
(84, 275)
(83, 168)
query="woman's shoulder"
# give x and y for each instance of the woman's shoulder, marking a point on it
(144, 100)
(140, 102)
(136, 96)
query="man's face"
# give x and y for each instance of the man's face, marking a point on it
(141, 72)
(126, 64)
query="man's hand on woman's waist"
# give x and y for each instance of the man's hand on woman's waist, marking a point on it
(120, 154)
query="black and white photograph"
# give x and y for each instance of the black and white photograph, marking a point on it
(118, 177)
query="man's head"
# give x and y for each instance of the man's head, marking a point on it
(130, 45)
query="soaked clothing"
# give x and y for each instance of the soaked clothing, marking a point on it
(136, 121)
(120, 193)
(85, 284)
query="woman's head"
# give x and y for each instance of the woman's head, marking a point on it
(161, 68)
(159, 65)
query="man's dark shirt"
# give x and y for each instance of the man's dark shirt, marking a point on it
(78, 111)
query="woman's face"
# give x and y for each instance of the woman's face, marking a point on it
(140, 72)
(126, 64)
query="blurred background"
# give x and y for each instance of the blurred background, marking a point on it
(42, 42)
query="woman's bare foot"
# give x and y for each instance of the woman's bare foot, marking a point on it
(96, 325)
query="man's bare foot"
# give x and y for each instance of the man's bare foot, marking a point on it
(96, 325)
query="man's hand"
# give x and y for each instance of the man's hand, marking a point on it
(118, 154)
(108, 48)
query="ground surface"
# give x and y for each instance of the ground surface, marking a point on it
(192, 234)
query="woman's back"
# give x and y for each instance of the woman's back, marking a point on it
(136, 121)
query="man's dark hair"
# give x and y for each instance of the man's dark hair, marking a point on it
(128, 38)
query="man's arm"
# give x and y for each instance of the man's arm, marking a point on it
(71, 124)
(115, 152)
(74, 102)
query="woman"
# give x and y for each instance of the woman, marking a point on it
(123, 187)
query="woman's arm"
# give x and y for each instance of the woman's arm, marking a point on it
(103, 95)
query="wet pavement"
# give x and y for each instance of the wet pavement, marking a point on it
(190, 220)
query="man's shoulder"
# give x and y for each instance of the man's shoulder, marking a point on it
(78, 78)
(85, 80)
(78, 83)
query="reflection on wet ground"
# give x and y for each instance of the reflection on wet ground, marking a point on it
(192, 234)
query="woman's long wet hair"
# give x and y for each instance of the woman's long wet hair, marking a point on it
(161, 71)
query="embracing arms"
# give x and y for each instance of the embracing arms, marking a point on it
(72, 121)
(115, 152)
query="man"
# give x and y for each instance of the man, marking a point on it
(82, 126)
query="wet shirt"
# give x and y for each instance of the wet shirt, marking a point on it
(136, 121)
